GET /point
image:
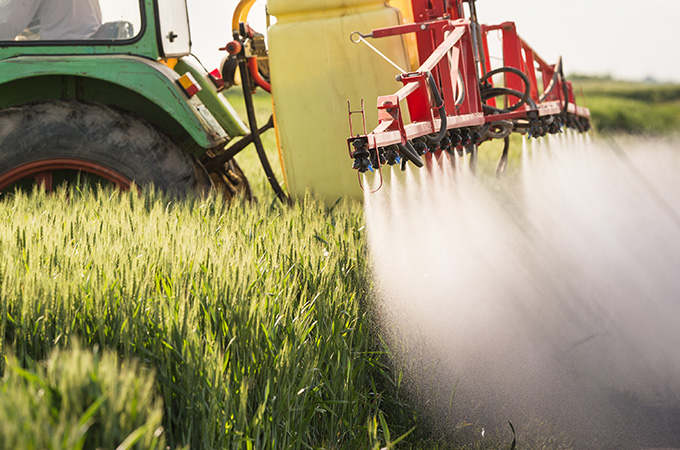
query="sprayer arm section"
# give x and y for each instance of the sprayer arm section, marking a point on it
(451, 98)
(422, 90)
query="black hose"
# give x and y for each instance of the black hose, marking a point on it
(497, 130)
(503, 162)
(439, 104)
(565, 91)
(553, 81)
(488, 91)
(254, 131)
(499, 91)
(410, 153)
(558, 75)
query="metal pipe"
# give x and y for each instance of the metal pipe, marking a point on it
(221, 159)
(480, 57)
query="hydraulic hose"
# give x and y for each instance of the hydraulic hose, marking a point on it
(255, 73)
(255, 132)
(557, 76)
(497, 130)
(410, 153)
(439, 104)
(503, 162)
(565, 92)
(490, 91)
(553, 82)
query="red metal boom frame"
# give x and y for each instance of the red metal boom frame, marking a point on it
(454, 51)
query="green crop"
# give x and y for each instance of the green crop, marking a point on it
(250, 315)
(80, 400)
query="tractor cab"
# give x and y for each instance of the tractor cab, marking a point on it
(146, 28)
(53, 22)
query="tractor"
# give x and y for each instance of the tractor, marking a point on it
(126, 102)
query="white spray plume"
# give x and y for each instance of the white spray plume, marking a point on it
(553, 295)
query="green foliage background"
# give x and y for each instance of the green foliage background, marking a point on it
(630, 107)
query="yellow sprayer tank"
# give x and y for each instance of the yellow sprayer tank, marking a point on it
(315, 69)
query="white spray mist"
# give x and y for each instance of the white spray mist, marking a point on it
(555, 295)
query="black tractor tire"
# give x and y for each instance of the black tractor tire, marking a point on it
(92, 137)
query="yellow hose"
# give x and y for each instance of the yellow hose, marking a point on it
(241, 13)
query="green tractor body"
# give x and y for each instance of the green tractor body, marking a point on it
(131, 69)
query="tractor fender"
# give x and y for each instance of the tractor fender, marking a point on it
(138, 85)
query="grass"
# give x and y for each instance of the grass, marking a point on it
(250, 316)
(80, 399)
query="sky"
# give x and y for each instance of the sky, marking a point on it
(626, 39)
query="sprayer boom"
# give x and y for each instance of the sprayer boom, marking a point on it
(456, 100)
